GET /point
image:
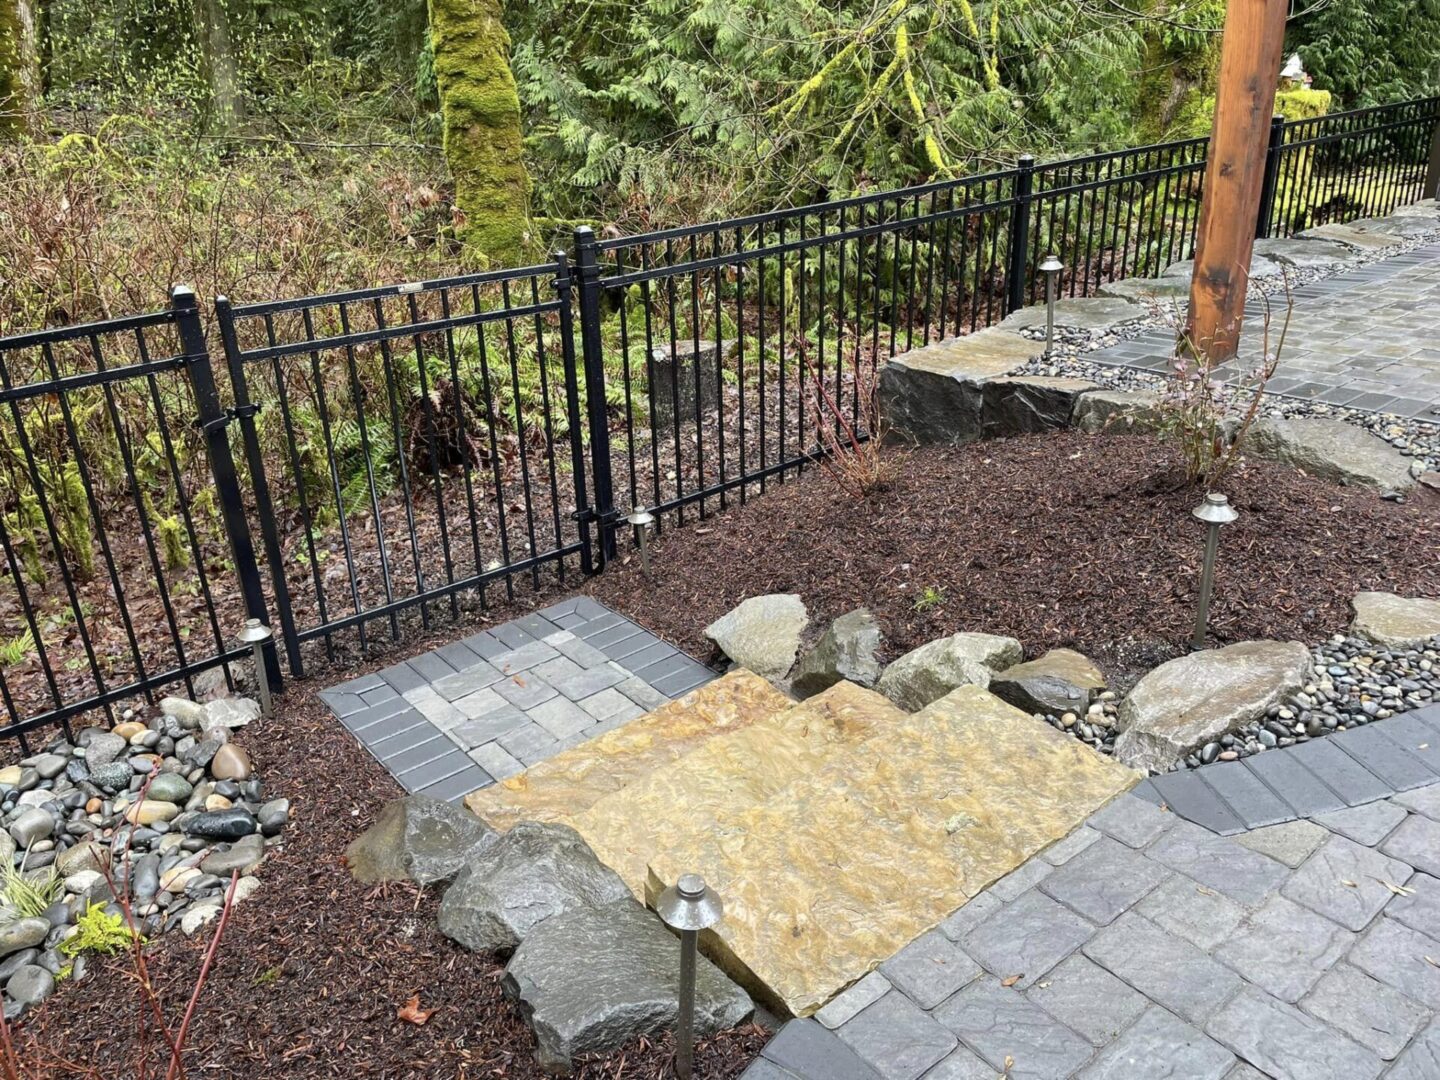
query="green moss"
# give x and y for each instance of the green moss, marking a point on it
(481, 111)
(1301, 103)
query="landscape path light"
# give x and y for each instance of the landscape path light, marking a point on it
(688, 906)
(1215, 511)
(1050, 267)
(641, 520)
(257, 635)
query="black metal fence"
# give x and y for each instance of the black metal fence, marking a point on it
(406, 451)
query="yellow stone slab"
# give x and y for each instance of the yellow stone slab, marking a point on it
(842, 868)
(682, 803)
(574, 780)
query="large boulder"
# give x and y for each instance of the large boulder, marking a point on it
(1332, 450)
(1061, 681)
(936, 395)
(594, 978)
(930, 672)
(1122, 412)
(846, 651)
(417, 839)
(1192, 700)
(532, 873)
(1022, 405)
(1397, 622)
(762, 634)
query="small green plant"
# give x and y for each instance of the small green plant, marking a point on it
(930, 598)
(99, 932)
(17, 648)
(28, 896)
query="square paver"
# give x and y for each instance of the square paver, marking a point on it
(1401, 957)
(1165, 968)
(1243, 875)
(1104, 880)
(560, 717)
(1026, 938)
(497, 761)
(1161, 1044)
(1291, 843)
(1284, 948)
(1192, 911)
(897, 1037)
(805, 1048)
(1013, 1034)
(1419, 906)
(1373, 1014)
(1086, 998)
(929, 969)
(525, 691)
(1346, 882)
(1288, 1044)
(1417, 842)
(1368, 824)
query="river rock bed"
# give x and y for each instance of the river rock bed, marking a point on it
(158, 812)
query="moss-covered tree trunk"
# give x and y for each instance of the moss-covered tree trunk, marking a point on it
(481, 110)
(19, 66)
(217, 54)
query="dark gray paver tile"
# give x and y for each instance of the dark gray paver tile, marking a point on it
(1012, 1033)
(1418, 909)
(458, 785)
(511, 636)
(637, 643)
(680, 683)
(399, 759)
(1027, 938)
(929, 969)
(1165, 968)
(458, 655)
(569, 622)
(1145, 791)
(369, 717)
(1086, 998)
(1062, 851)
(897, 1037)
(518, 661)
(1417, 842)
(434, 771)
(379, 695)
(1367, 824)
(1291, 842)
(1187, 794)
(1401, 957)
(564, 607)
(1393, 764)
(573, 648)
(1345, 882)
(1160, 1044)
(402, 677)
(641, 657)
(342, 704)
(1133, 821)
(388, 738)
(1416, 737)
(1192, 911)
(590, 608)
(360, 684)
(536, 624)
(1245, 794)
(1286, 1043)
(961, 1064)
(810, 1050)
(1374, 1015)
(431, 666)
(1422, 1060)
(1020, 880)
(1340, 772)
(485, 645)
(1284, 948)
(1288, 777)
(1104, 880)
(1241, 874)
(599, 624)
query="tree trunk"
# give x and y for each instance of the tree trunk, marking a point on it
(481, 111)
(217, 54)
(19, 67)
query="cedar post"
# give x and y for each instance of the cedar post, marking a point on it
(1250, 54)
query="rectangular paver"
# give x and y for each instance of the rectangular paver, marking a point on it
(1011, 1032)
(897, 1037)
(1288, 1044)
(1186, 792)
(1161, 1044)
(1376, 1016)
(1165, 968)
(1241, 874)
(1399, 769)
(1286, 775)
(1340, 772)
(1104, 880)
(1345, 882)
(1245, 794)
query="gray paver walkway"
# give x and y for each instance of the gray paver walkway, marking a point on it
(1368, 339)
(1146, 946)
(484, 708)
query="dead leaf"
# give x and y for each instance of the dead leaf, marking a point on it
(412, 1013)
(1349, 884)
(1012, 980)
(1398, 890)
(1203, 891)
(1432, 961)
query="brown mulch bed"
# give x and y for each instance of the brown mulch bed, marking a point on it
(1058, 540)
(312, 970)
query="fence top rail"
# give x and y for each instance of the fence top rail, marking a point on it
(384, 292)
(1417, 104)
(1199, 143)
(1297, 140)
(106, 328)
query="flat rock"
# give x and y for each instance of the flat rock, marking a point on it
(1332, 450)
(846, 651)
(1261, 268)
(1123, 412)
(1146, 292)
(417, 839)
(762, 634)
(1061, 681)
(1094, 313)
(593, 978)
(1022, 405)
(1191, 700)
(934, 394)
(231, 712)
(1353, 236)
(532, 873)
(934, 669)
(1403, 226)
(1306, 254)
(1397, 622)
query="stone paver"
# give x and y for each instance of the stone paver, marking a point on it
(1346, 882)
(1103, 881)
(1166, 969)
(1012, 1034)
(477, 711)
(1086, 998)
(1026, 938)
(1284, 949)
(1286, 1043)
(1371, 1013)
(929, 969)
(898, 1038)
(1161, 1044)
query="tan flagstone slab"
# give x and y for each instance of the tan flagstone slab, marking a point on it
(682, 803)
(575, 779)
(845, 866)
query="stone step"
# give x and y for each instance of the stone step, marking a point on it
(831, 875)
(682, 803)
(572, 781)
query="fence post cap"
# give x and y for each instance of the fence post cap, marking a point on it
(1025, 161)
(181, 292)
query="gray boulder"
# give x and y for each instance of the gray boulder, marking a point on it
(1332, 450)
(1192, 700)
(30, 985)
(594, 978)
(103, 749)
(762, 634)
(934, 669)
(417, 839)
(1096, 314)
(532, 873)
(1397, 622)
(935, 394)
(846, 651)
(1122, 412)
(22, 934)
(1306, 254)
(1061, 681)
(1024, 405)
(231, 712)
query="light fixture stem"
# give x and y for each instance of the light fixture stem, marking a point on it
(685, 1023)
(1050, 315)
(1207, 582)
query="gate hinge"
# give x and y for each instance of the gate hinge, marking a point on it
(225, 418)
(590, 515)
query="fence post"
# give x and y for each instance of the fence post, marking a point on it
(564, 292)
(1015, 264)
(212, 421)
(1269, 182)
(587, 265)
(1432, 171)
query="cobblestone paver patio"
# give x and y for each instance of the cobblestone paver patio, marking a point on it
(484, 708)
(1368, 338)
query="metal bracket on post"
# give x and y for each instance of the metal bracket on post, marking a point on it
(1016, 259)
(1269, 182)
(587, 267)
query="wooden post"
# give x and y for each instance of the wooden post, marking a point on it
(1234, 173)
(1432, 172)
